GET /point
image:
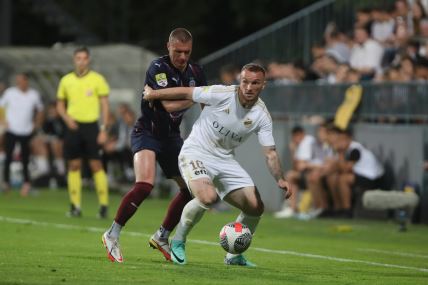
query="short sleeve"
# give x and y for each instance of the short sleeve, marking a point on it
(264, 134)
(354, 155)
(304, 149)
(103, 87)
(156, 76)
(61, 93)
(39, 104)
(212, 95)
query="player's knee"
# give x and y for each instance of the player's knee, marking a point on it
(255, 209)
(208, 197)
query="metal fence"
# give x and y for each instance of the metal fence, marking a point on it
(400, 102)
(289, 39)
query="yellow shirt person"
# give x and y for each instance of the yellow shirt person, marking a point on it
(82, 100)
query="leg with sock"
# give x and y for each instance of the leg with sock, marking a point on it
(101, 186)
(131, 201)
(192, 214)
(173, 214)
(74, 181)
(129, 205)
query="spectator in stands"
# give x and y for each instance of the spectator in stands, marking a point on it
(80, 95)
(358, 169)
(341, 74)
(24, 115)
(317, 169)
(418, 14)
(364, 18)
(383, 25)
(421, 72)
(328, 66)
(117, 149)
(366, 54)
(301, 149)
(54, 129)
(407, 69)
(423, 30)
(401, 9)
(335, 44)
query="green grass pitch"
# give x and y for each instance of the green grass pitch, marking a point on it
(40, 245)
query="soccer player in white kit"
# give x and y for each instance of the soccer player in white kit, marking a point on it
(231, 115)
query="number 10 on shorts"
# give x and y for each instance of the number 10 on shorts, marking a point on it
(198, 167)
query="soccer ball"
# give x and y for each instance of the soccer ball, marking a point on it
(235, 237)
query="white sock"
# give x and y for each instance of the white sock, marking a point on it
(250, 221)
(162, 233)
(59, 165)
(114, 231)
(192, 213)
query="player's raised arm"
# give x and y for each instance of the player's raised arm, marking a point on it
(275, 168)
(176, 93)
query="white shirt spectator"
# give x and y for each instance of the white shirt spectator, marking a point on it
(381, 31)
(304, 150)
(20, 110)
(367, 55)
(367, 164)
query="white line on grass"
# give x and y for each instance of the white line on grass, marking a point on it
(406, 254)
(285, 252)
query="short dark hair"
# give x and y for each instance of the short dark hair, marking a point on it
(297, 130)
(254, 67)
(82, 49)
(180, 34)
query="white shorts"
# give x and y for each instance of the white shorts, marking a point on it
(226, 173)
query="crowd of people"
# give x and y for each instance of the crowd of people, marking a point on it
(328, 171)
(386, 44)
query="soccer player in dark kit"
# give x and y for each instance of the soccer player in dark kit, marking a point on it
(156, 137)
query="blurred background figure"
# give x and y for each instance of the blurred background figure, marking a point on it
(23, 115)
(229, 74)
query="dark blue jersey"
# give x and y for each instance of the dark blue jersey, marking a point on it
(162, 74)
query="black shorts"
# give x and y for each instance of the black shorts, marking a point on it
(366, 183)
(167, 149)
(82, 143)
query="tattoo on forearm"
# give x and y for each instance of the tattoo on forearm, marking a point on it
(274, 166)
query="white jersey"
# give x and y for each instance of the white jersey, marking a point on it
(20, 108)
(224, 124)
(304, 150)
(367, 165)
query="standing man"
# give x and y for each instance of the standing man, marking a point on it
(83, 91)
(230, 116)
(23, 109)
(156, 137)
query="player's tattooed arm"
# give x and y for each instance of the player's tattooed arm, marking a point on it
(275, 168)
(273, 163)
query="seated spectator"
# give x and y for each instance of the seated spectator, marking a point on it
(117, 149)
(356, 167)
(363, 17)
(336, 45)
(418, 14)
(366, 54)
(301, 148)
(421, 70)
(383, 25)
(54, 130)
